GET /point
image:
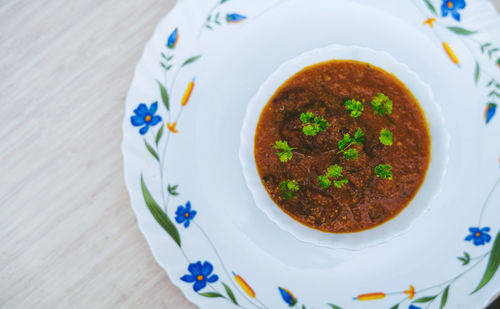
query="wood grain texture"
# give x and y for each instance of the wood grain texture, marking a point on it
(69, 238)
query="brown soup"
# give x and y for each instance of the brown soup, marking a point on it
(320, 182)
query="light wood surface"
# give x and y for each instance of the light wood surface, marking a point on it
(69, 238)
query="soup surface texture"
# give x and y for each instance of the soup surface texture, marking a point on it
(331, 181)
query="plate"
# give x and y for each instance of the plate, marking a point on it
(183, 116)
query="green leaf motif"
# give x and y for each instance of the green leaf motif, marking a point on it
(164, 95)
(396, 306)
(432, 9)
(172, 190)
(159, 214)
(191, 60)
(461, 31)
(444, 298)
(230, 293)
(492, 266)
(484, 46)
(492, 51)
(334, 306)
(211, 294)
(151, 150)
(159, 135)
(424, 299)
(465, 259)
(477, 72)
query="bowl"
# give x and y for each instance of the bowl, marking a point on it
(429, 189)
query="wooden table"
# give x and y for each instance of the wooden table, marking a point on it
(68, 236)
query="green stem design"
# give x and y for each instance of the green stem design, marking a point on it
(223, 265)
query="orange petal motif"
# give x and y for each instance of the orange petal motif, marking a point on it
(450, 53)
(370, 296)
(187, 93)
(171, 127)
(430, 22)
(410, 292)
(244, 285)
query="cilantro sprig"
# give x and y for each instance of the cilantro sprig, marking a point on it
(284, 150)
(354, 107)
(382, 104)
(347, 141)
(383, 171)
(312, 124)
(333, 172)
(289, 188)
(385, 137)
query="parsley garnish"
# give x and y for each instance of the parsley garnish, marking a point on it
(382, 104)
(355, 107)
(334, 172)
(384, 171)
(347, 141)
(312, 124)
(288, 189)
(385, 137)
(285, 151)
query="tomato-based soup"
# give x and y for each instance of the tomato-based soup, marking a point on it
(362, 195)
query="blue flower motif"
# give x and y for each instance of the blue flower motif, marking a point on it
(479, 236)
(414, 307)
(173, 39)
(287, 297)
(185, 214)
(145, 117)
(200, 275)
(235, 18)
(452, 7)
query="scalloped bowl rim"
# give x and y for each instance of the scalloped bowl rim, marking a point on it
(430, 188)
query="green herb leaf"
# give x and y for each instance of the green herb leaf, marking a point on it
(354, 107)
(230, 293)
(424, 299)
(191, 60)
(211, 294)
(313, 124)
(384, 171)
(159, 214)
(351, 154)
(396, 306)
(461, 31)
(344, 141)
(309, 130)
(385, 137)
(285, 151)
(444, 298)
(334, 306)
(334, 171)
(324, 181)
(151, 150)
(359, 136)
(382, 105)
(306, 117)
(340, 182)
(172, 190)
(164, 95)
(159, 135)
(289, 188)
(493, 264)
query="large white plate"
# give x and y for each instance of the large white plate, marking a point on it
(207, 59)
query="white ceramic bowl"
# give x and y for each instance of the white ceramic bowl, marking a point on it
(429, 189)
